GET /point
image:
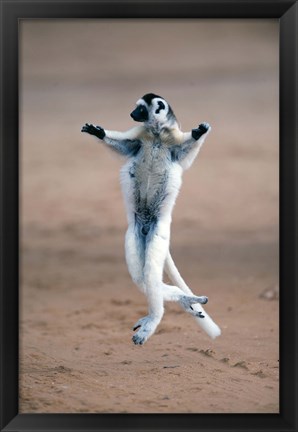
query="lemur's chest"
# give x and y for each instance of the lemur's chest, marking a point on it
(149, 171)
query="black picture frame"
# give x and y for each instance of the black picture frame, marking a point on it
(14, 10)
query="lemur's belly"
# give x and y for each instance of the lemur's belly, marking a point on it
(151, 188)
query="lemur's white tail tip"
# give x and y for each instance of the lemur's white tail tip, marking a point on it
(215, 332)
(209, 326)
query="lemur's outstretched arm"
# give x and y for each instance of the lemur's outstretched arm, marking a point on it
(186, 151)
(124, 143)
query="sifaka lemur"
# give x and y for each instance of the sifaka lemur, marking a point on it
(157, 152)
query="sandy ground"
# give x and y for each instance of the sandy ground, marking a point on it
(78, 304)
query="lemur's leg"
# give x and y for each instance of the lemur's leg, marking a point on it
(173, 293)
(187, 150)
(187, 303)
(125, 143)
(157, 245)
(135, 256)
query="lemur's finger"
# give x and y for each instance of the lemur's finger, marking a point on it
(204, 126)
(85, 127)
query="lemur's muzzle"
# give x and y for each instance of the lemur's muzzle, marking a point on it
(140, 114)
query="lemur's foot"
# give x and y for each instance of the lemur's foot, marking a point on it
(187, 301)
(146, 326)
(201, 130)
(94, 130)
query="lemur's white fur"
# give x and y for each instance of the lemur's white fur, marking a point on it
(148, 174)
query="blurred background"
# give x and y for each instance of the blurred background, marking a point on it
(78, 303)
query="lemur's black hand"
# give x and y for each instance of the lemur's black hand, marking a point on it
(94, 130)
(201, 130)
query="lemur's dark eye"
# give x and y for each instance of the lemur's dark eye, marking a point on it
(161, 106)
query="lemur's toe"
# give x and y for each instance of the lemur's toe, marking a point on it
(204, 299)
(137, 340)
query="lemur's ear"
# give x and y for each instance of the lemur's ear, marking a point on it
(161, 106)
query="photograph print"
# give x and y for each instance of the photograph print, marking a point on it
(149, 216)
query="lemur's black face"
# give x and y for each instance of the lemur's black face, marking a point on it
(140, 114)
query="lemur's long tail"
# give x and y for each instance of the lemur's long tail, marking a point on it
(206, 323)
